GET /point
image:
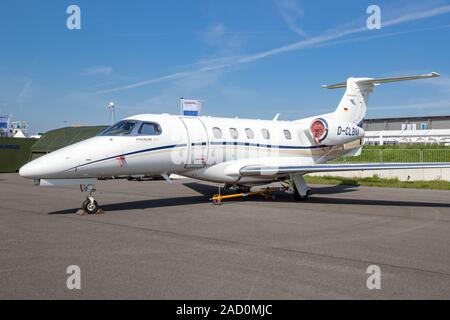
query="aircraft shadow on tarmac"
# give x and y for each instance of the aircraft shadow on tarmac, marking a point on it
(316, 192)
(207, 191)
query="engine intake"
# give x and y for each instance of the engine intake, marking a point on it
(319, 130)
(332, 132)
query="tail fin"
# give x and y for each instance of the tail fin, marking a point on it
(353, 106)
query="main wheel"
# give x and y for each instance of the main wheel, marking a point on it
(89, 207)
(243, 190)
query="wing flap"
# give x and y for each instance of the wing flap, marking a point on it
(283, 170)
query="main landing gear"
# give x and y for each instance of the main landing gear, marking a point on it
(89, 206)
(299, 187)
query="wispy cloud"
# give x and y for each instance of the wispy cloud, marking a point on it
(99, 70)
(382, 35)
(299, 45)
(340, 34)
(291, 12)
(224, 42)
(25, 90)
(417, 15)
(215, 34)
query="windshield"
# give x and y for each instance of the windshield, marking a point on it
(121, 128)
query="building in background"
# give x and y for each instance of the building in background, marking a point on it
(407, 123)
(408, 130)
(5, 126)
(12, 129)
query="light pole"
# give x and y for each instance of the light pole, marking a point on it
(111, 107)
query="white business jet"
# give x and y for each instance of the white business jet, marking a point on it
(239, 153)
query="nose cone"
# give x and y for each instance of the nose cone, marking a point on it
(63, 163)
(31, 170)
(48, 166)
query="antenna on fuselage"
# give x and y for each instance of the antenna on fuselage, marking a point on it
(111, 107)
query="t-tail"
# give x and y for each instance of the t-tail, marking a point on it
(344, 125)
(353, 106)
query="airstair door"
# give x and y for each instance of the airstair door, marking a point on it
(197, 142)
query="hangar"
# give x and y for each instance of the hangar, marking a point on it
(59, 138)
(408, 130)
(14, 152)
(407, 123)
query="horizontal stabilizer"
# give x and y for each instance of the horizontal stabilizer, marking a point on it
(284, 170)
(382, 80)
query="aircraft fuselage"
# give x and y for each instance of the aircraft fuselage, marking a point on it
(205, 148)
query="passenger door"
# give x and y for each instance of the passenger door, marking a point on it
(198, 142)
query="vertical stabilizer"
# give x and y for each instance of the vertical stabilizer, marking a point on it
(353, 105)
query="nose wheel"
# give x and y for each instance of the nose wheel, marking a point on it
(89, 206)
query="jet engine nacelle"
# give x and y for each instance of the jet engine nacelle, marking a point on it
(332, 132)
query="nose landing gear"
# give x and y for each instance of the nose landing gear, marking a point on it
(89, 206)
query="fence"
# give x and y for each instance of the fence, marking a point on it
(398, 155)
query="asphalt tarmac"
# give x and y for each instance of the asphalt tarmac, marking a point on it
(159, 240)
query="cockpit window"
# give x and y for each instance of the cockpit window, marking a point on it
(150, 129)
(121, 128)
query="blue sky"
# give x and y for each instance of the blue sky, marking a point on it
(251, 58)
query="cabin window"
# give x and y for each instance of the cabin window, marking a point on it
(150, 129)
(250, 134)
(265, 134)
(287, 134)
(121, 128)
(217, 133)
(234, 133)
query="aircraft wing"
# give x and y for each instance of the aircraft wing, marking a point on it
(253, 170)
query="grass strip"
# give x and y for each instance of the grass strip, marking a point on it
(376, 181)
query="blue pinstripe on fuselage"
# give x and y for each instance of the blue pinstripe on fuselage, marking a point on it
(225, 143)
